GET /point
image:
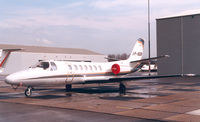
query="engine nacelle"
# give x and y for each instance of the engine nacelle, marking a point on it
(115, 69)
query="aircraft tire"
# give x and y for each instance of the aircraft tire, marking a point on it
(28, 92)
(122, 89)
(68, 87)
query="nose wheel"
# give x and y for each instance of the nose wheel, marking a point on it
(28, 92)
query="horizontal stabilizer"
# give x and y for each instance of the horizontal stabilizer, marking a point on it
(150, 59)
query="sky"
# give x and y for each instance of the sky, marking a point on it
(103, 26)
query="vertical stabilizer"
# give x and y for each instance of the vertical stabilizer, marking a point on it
(137, 51)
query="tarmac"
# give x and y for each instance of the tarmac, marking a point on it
(165, 99)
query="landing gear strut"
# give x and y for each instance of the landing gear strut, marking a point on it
(28, 92)
(122, 89)
(68, 87)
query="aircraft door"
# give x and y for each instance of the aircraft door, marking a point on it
(70, 75)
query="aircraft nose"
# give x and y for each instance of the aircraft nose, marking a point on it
(10, 79)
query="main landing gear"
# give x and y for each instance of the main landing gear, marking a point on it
(68, 89)
(122, 88)
(28, 91)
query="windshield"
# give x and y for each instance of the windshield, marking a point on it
(43, 65)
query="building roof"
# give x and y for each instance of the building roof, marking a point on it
(39, 49)
(184, 13)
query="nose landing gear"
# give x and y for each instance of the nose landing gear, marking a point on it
(28, 92)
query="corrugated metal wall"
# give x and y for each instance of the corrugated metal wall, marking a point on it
(191, 44)
(179, 37)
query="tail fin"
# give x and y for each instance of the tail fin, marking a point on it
(137, 51)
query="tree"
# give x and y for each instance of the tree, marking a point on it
(114, 57)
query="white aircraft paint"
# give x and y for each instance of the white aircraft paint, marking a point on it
(67, 73)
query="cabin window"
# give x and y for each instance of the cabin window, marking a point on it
(100, 67)
(53, 66)
(76, 67)
(95, 68)
(70, 67)
(86, 68)
(81, 67)
(90, 67)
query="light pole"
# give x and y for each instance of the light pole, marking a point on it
(149, 36)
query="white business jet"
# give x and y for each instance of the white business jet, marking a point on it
(50, 72)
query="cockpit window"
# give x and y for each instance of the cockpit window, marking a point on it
(43, 65)
(53, 66)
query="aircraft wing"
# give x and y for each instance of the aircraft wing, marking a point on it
(129, 78)
(153, 58)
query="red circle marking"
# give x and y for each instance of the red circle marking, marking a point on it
(115, 69)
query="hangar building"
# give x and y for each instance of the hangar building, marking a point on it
(179, 37)
(18, 57)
